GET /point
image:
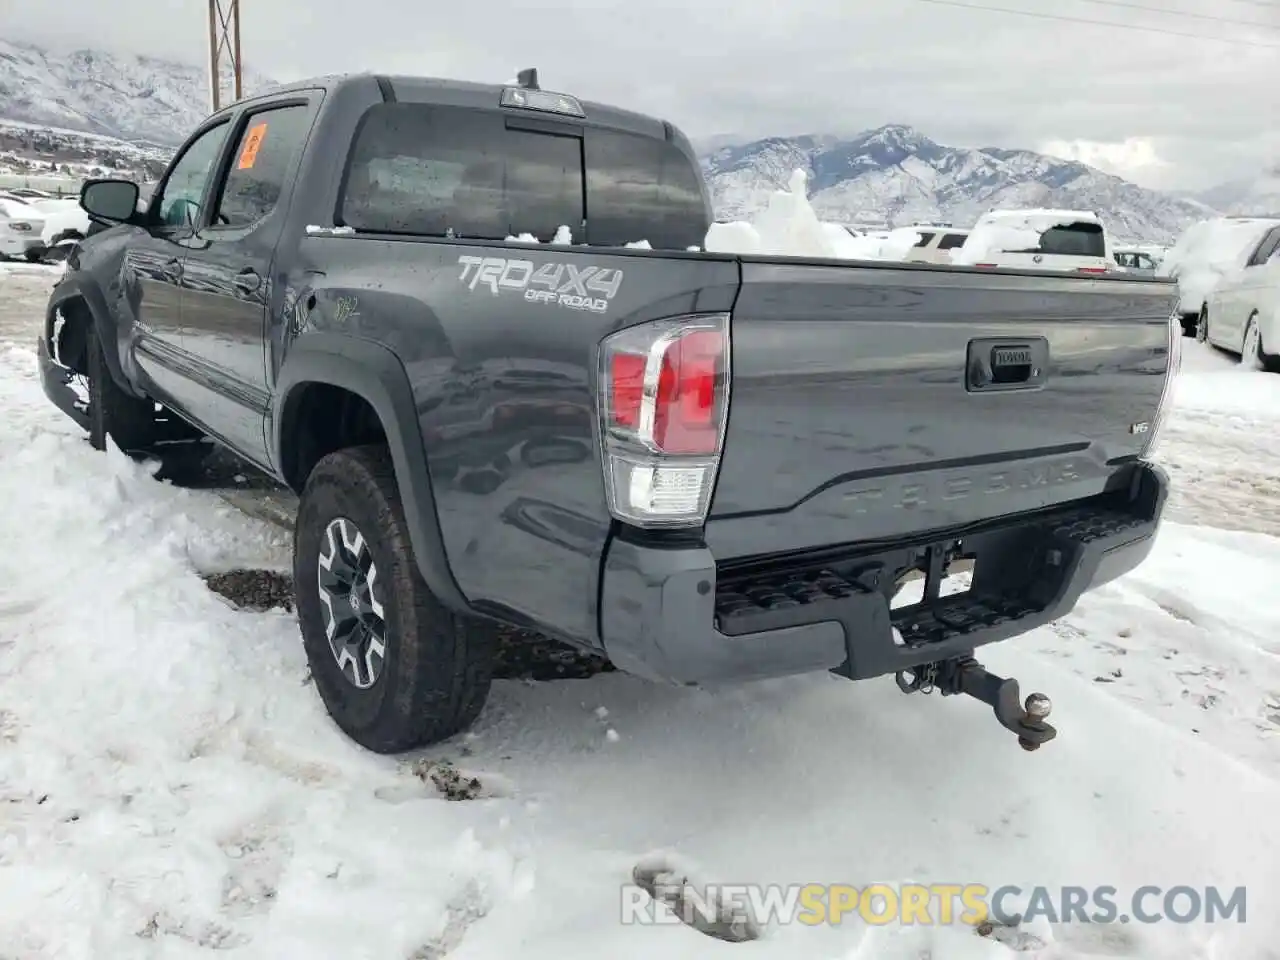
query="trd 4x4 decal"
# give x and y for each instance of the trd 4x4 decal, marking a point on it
(563, 284)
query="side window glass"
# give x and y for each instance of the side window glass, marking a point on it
(179, 202)
(263, 162)
(1265, 248)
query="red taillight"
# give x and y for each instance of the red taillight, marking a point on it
(627, 385)
(684, 417)
(992, 265)
(683, 413)
(665, 397)
(1091, 269)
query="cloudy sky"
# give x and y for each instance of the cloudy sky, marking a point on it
(1165, 110)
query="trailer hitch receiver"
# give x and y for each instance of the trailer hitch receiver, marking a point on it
(965, 675)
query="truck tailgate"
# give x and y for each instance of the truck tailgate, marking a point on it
(872, 402)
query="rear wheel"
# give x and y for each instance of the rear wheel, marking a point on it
(1253, 352)
(395, 668)
(1202, 325)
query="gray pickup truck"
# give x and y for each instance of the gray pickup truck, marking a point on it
(424, 306)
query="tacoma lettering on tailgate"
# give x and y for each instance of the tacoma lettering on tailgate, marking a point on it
(949, 488)
(562, 284)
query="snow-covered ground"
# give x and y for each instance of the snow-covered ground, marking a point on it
(170, 784)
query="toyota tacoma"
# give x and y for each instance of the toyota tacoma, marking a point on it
(472, 326)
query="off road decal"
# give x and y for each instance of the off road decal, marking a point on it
(560, 284)
(252, 144)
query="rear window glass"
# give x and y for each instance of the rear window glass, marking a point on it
(925, 240)
(449, 171)
(951, 241)
(446, 171)
(641, 188)
(1073, 240)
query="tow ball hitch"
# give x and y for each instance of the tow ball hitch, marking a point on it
(966, 675)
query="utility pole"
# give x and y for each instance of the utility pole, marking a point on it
(224, 49)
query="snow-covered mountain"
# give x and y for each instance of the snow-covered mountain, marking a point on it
(90, 110)
(896, 175)
(128, 97)
(1259, 196)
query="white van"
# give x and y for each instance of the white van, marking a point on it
(1069, 240)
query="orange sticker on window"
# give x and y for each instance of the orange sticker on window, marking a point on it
(252, 144)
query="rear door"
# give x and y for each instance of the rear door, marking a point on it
(1246, 292)
(877, 402)
(228, 280)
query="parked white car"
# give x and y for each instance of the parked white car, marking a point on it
(21, 230)
(1069, 240)
(1242, 312)
(64, 219)
(1134, 260)
(1206, 251)
(934, 243)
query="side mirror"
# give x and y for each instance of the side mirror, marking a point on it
(113, 200)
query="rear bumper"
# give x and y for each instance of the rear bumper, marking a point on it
(671, 615)
(56, 381)
(19, 245)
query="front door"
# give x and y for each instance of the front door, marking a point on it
(228, 283)
(1239, 295)
(153, 264)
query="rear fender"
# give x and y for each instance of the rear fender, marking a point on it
(375, 374)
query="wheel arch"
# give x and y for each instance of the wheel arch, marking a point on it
(373, 374)
(79, 296)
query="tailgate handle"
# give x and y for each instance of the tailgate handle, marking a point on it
(1002, 364)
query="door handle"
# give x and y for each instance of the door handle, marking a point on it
(247, 281)
(997, 364)
(172, 270)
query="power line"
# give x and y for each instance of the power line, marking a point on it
(1103, 23)
(1183, 13)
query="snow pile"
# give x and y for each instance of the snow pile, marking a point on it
(788, 226)
(1005, 231)
(563, 237)
(1206, 252)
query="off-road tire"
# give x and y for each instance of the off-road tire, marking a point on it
(129, 421)
(437, 665)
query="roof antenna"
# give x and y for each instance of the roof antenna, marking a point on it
(528, 79)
